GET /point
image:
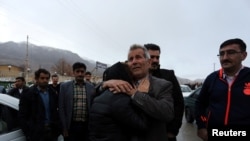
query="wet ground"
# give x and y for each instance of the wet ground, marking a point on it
(188, 132)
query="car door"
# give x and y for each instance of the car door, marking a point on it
(9, 126)
(192, 100)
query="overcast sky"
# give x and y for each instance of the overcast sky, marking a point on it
(189, 32)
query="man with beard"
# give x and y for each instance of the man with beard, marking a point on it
(224, 100)
(55, 85)
(174, 126)
(74, 102)
(20, 88)
(38, 113)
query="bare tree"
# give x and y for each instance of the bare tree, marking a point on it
(62, 67)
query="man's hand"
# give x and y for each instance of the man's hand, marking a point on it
(143, 86)
(117, 86)
(202, 133)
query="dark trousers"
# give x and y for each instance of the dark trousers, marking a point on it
(78, 131)
(172, 139)
(47, 134)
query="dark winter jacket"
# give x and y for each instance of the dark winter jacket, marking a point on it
(169, 75)
(15, 92)
(32, 114)
(113, 117)
(222, 105)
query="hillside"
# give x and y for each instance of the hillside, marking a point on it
(45, 57)
(39, 56)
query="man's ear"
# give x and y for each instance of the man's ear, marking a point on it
(243, 56)
(150, 61)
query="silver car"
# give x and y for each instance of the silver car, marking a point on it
(186, 90)
(9, 129)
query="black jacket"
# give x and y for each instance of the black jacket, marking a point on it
(32, 114)
(15, 92)
(169, 75)
(114, 118)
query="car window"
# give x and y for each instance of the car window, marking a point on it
(185, 89)
(196, 93)
(8, 119)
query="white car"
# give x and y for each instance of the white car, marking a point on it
(186, 90)
(9, 129)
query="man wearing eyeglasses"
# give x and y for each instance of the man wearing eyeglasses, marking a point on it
(222, 108)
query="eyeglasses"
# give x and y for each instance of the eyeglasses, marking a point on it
(228, 52)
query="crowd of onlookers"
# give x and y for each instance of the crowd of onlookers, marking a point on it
(136, 101)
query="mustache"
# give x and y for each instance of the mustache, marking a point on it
(226, 61)
(156, 64)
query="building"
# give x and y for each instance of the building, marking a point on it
(10, 72)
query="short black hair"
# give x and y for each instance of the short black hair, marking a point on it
(54, 75)
(151, 46)
(78, 65)
(88, 73)
(118, 70)
(39, 71)
(20, 78)
(238, 41)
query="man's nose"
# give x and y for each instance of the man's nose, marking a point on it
(154, 59)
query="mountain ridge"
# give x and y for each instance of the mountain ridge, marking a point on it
(13, 53)
(40, 56)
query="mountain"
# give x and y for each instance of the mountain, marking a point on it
(40, 56)
(45, 57)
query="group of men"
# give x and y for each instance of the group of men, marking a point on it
(137, 101)
(148, 94)
(45, 111)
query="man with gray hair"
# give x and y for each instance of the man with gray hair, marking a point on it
(153, 95)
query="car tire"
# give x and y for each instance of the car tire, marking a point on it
(188, 115)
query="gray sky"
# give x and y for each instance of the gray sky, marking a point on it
(189, 32)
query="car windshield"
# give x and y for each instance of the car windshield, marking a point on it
(185, 89)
